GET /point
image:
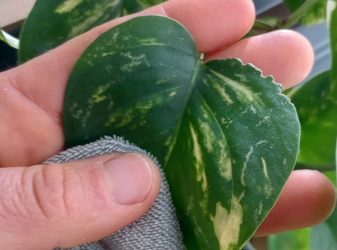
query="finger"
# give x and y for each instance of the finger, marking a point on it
(51, 206)
(307, 200)
(213, 24)
(284, 54)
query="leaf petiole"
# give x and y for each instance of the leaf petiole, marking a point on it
(10, 40)
(301, 11)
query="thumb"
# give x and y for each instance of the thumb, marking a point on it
(69, 204)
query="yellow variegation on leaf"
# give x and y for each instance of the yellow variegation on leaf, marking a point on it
(225, 135)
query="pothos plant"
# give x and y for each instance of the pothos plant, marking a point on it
(226, 136)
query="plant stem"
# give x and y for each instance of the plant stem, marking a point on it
(259, 27)
(10, 40)
(322, 168)
(307, 5)
(259, 24)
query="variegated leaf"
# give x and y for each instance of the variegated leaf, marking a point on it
(226, 137)
(52, 23)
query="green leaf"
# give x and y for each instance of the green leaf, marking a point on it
(319, 167)
(316, 104)
(10, 40)
(293, 240)
(332, 177)
(318, 119)
(51, 23)
(226, 136)
(314, 15)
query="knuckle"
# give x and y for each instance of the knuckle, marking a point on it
(48, 191)
(63, 191)
(38, 196)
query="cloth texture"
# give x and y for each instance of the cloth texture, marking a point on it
(157, 229)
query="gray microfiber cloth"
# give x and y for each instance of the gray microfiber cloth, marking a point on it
(157, 229)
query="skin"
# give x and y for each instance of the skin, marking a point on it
(31, 98)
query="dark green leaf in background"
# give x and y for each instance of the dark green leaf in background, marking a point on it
(133, 6)
(318, 117)
(226, 137)
(316, 104)
(332, 177)
(315, 15)
(293, 240)
(52, 23)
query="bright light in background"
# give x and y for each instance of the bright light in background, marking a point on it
(10, 13)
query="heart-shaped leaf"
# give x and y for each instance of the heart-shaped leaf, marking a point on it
(52, 23)
(226, 137)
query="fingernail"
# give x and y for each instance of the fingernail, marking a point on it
(130, 178)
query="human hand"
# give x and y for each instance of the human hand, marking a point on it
(68, 204)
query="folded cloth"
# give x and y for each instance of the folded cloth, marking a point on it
(157, 229)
